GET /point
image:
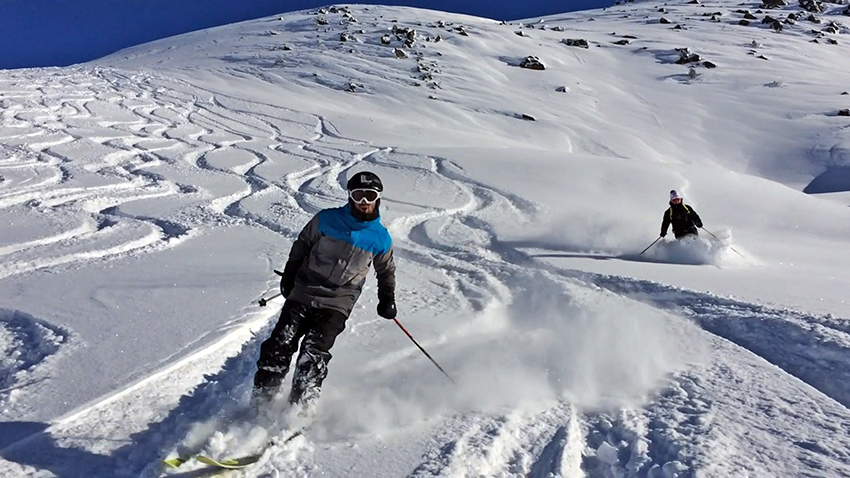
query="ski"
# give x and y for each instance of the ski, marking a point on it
(231, 463)
(243, 461)
(175, 462)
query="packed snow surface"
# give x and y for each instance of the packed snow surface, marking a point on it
(147, 197)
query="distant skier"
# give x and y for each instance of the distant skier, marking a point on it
(684, 219)
(321, 282)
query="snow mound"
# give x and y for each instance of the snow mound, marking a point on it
(26, 343)
(836, 177)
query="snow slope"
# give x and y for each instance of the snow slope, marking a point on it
(148, 196)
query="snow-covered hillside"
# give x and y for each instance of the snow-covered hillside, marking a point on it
(147, 197)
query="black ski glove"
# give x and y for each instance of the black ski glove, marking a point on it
(386, 307)
(285, 287)
(698, 224)
(663, 234)
(287, 279)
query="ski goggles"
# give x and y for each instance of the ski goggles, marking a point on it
(364, 196)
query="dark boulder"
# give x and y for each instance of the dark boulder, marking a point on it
(576, 42)
(532, 63)
(686, 56)
(813, 6)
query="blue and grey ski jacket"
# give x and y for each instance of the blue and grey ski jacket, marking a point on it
(329, 261)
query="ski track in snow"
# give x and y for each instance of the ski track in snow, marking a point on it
(150, 129)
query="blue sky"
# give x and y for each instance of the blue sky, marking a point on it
(63, 32)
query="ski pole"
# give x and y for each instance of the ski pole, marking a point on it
(423, 351)
(730, 247)
(265, 300)
(647, 247)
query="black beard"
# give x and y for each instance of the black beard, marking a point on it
(360, 216)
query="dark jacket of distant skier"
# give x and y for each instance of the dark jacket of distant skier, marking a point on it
(682, 217)
(321, 282)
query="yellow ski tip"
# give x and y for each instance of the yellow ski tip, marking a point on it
(173, 462)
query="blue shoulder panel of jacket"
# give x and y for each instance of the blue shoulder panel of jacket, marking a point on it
(371, 236)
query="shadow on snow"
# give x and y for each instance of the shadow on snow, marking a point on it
(218, 393)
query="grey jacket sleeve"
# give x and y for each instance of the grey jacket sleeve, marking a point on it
(300, 249)
(385, 271)
(308, 237)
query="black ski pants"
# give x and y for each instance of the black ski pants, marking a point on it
(691, 231)
(319, 329)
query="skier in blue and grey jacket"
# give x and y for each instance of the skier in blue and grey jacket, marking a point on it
(321, 282)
